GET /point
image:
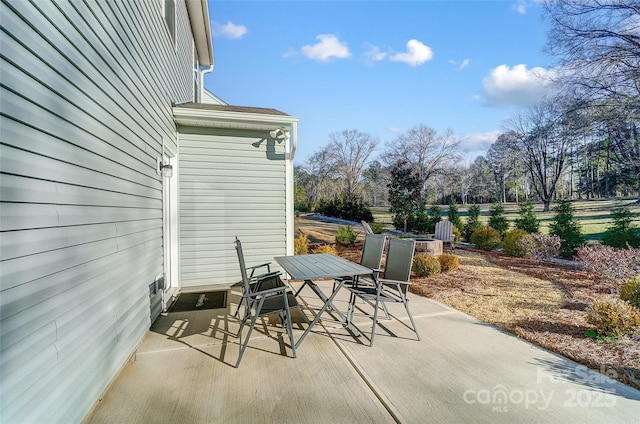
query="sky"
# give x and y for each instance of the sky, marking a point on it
(382, 67)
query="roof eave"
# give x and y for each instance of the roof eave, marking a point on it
(198, 11)
(230, 119)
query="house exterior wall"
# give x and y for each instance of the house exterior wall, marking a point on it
(232, 183)
(86, 100)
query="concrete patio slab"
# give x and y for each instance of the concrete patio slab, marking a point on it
(462, 371)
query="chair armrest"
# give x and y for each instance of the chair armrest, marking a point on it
(386, 281)
(268, 291)
(254, 267)
(265, 276)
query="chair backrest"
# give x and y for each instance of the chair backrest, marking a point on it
(366, 227)
(444, 230)
(399, 260)
(372, 250)
(243, 268)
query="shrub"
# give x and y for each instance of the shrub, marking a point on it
(353, 210)
(540, 246)
(473, 222)
(301, 245)
(448, 262)
(456, 234)
(498, 220)
(325, 248)
(610, 263)
(376, 227)
(621, 232)
(613, 317)
(420, 222)
(565, 227)
(511, 244)
(346, 236)
(527, 219)
(425, 265)
(486, 238)
(630, 291)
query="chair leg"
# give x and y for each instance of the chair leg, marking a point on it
(289, 327)
(375, 321)
(253, 323)
(246, 340)
(413, 324)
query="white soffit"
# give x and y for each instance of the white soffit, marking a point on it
(235, 118)
(198, 11)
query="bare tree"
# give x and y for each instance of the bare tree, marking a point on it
(544, 135)
(350, 151)
(621, 130)
(482, 185)
(424, 149)
(597, 43)
(319, 181)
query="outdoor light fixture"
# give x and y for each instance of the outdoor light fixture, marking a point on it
(277, 133)
(164, 169)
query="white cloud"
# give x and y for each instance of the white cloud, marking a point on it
(229, 30)
(517, 86)
(327, 48)
(465, 63)
(374, 54)
(520, 6)
(417, 54)
(477, 144)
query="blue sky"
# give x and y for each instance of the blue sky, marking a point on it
(382, 67)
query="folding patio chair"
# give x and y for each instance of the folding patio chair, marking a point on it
(371, 257)
(393, 287)
(264, 301)
(265, 281)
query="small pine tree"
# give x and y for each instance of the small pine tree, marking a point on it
(527, 219)
(621, 231)
(434, 218)
(498, 220)
(453, 215)
(473, 222)
(565, 227)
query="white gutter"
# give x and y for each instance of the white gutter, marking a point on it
(201, 81)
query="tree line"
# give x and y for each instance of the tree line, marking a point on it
(581, 142)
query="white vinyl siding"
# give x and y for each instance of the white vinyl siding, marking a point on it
(229, 186)
(86, 98)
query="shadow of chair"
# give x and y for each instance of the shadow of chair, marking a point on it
(262, 302)
(393, 287)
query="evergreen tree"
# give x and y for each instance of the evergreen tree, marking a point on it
(473, 222)
(622, 231)
(565, 227)
(498, 220)
(454, 216)
(434, 218)
(527, 219)
(405, 193)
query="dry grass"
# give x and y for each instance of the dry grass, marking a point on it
(542, 302)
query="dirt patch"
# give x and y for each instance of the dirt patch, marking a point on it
(542, 302)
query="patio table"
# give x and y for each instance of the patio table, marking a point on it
(320, 266)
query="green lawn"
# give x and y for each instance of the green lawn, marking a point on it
(594, 216)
